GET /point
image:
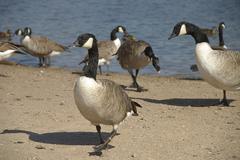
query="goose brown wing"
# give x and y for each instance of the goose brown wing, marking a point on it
(115, 99)
(45, 45)
(106, 49)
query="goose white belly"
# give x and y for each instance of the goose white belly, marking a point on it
(103, 61)
(54, 53)
(87, 99)
(6, 54)
(214, 69)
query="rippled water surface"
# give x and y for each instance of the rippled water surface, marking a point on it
(152, 21)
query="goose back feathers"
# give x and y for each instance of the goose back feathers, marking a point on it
(131, 54)
(41, 46)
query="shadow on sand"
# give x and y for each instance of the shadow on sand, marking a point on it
(65, 138)
(184, 102)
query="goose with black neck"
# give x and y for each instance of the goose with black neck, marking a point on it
(100, 101)
(220, 68)
(107, 48)
(221, 45)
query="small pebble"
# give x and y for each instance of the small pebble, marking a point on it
(40, 147)
(18, 99)
(61, 103)
(133, 155)
(18, 142)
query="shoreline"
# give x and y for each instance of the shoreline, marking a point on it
(180, 76)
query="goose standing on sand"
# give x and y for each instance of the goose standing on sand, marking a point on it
(136, 54)
(221, 45)
(100, 101)
(107, 48)
(220, 68)
(39, 46)
(7, 49)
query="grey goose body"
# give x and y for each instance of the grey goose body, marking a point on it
(40, 46)
(135, 55)
(100, 101)
(220, 68)
(108, 48)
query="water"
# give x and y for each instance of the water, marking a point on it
(152, 21)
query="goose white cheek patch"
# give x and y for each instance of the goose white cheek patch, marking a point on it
(89, 43)
(120, 29)
(183, 30)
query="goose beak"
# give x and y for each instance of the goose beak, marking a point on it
(172, 36)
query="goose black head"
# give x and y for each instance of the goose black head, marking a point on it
(181, 28)
(155, 61)
(85, 40)
(121, 29)
(221, 25)
(27, 31)
(185, 28)
(19, 32)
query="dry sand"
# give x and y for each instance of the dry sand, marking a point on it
(40, 120)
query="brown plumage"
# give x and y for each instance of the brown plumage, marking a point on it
(40, 46)
(131, 55)
(210, 32)
(5, 36)
(7, 49)
(136, 54)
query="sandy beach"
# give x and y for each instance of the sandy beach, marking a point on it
(40, 121)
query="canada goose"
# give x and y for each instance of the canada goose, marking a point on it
(221, 46)
(5, 36)
(136, 54)
(210, 32)
(100, 101)
(107, 48)
(39, 46)
(220, 68)
(7, 49)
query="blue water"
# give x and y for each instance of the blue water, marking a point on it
(152, 21)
